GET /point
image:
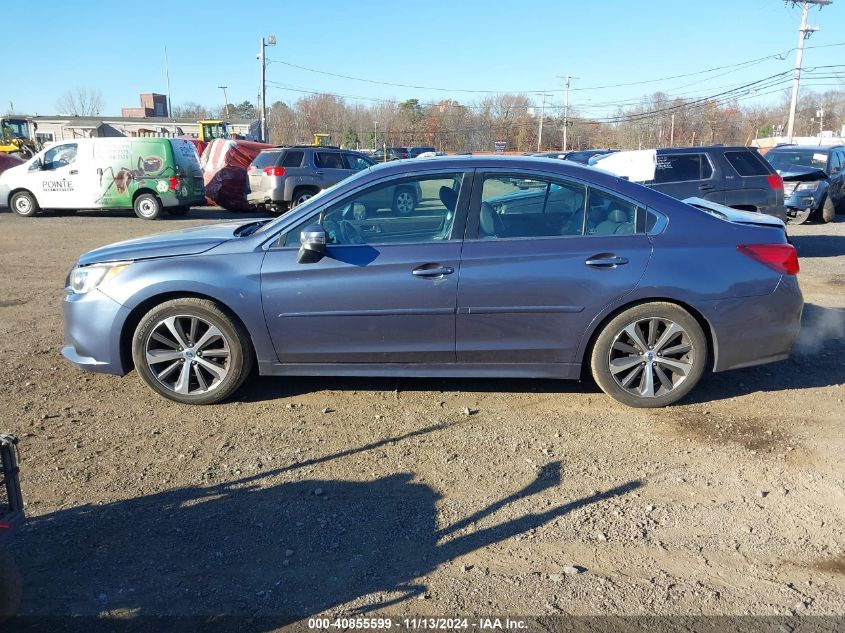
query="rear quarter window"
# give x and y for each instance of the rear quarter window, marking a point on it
(747, 163)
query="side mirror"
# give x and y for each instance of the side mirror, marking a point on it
(313, 241)
(36, 165)
(836, 170)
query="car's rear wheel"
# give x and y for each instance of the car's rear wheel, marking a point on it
(24, 204)
(191, 351)
(828, 210)
(147, 206)
(404, 201)
(650, 355)
(301, 196)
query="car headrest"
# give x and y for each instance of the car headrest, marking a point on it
(617, 215)
(449, 197)
(486, 219)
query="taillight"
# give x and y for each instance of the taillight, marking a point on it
(174, 183)
(274, 171)
(782, 258)
(775, 181)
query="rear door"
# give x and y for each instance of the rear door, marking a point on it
(330, 168)
(543, 256)
(683, 175)
(255, 174)
(837, 179)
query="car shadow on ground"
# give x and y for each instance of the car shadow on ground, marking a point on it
(819, 245)
(814, 362)
(253, 547)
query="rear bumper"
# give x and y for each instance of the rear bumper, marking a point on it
(92, 326)
(267, 196)
(756, 330)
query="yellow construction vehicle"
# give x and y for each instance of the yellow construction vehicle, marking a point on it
(212, 129)
(321, 140)
(17, 136)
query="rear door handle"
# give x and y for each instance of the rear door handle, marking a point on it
(606, 261)
(432, 271)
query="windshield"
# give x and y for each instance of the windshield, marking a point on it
(311, 201)
(15, 129)
(785, 160)
(215, 130)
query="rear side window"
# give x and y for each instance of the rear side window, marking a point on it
(609, 215)
(746, 164)
(328, 160)
(678, 168)
(292, 159)
(265, 159)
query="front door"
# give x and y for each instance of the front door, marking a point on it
(538, 270)
(61, 181)
(384, 293)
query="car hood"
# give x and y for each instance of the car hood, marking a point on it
(802, 174)
(182, 242)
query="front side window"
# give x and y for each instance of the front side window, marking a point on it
(677, 168)
(411, 210)
(59, 156)
(357, 162)
(516, 206)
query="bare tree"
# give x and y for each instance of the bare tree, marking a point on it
(80, 101)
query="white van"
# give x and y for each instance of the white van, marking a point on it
(148, 175)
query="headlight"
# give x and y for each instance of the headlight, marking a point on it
(83, 279)
(808, 186)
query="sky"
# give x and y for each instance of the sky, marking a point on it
(459, 45)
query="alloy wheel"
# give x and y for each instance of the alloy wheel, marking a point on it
(404, 202)
(651, 357)
(187, 354)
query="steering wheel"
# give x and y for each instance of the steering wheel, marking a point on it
(350, 234)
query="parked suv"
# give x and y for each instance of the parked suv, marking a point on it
(284, 177)
(737, 177)
(813, 180)
(391, 153)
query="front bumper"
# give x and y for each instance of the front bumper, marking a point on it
(93, 324)
(755, 330)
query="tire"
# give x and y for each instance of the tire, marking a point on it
(615, 346)
(177, 211)
(300, 196)
(827, 212)
(147, 206)
(24, 204)
(182, 373)
(404, 201)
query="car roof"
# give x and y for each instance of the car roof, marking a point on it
(706, 148)
(815, 148)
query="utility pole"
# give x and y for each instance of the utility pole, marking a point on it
(672, 132)
(225, 100)
(167, 79)
(542, 116)
(262, 94)
(375, 134)
(566, 80)
(804, 32)
(820, 114)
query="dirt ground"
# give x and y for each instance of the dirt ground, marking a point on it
(425, 497)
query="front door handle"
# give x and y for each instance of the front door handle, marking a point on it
(73, 172)
(432, 271)
(318, 173)
(606, 260)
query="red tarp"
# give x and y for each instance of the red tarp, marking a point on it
(224, 165)
(7, 161)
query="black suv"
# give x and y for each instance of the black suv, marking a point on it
(283, 177)
(814, 181)
(737, 177)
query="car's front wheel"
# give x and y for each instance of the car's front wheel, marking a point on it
(650, 355)
(189, 350)
(828, 211)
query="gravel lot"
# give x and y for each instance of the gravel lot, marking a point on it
(427, 497)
